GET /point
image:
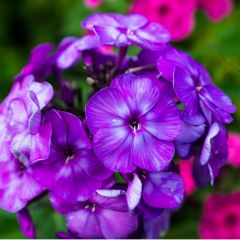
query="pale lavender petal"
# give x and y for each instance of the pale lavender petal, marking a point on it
(206, 151)
(69, 56)
(134, 192)
(44, 92)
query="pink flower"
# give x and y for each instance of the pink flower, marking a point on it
(216, 9)
(178, 16)
(180, 23)
(221, 217)
(92, 3)
(187, 176)
(234, 149)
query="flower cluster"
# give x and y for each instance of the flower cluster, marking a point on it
(108, 166)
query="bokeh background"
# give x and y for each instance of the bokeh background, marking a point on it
(26, 23)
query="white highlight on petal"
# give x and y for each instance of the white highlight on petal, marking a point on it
(134, 192)
(110, 193)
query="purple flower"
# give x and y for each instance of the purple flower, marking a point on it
(159, 190)
(39, 63)
(29, 138)
(193, 87)
(18, 186)
(26, 224)
(121, 31)
(72, 170)
(134, 124)
(102, 216)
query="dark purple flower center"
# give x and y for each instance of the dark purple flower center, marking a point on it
(163, 9)
(134, 124)
(231, 219)
(69, 154)
(91, 206)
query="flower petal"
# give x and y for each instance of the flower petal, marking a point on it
(134, 192)
(151, 153)
(113, 148)
(106, 109)
(163, 190)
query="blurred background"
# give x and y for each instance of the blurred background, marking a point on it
(26, 23)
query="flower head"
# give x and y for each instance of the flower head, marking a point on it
(102, 216)
(71, 160)
(134, 124)
(193, 87)
(121, 31)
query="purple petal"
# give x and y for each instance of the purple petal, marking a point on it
(134, 192)
(76, 134)
(111, 36)
(163, 190)
(26, 224)
(85, 224)
(184, 88)
(113, 148)
(163, 121)
(151, 36)
(106, 109)
(59, 138)
(151, 153)
(43, 91)
(41, 52)
(64, 179)
(157, 227)
(182, 149)
(219, 98)
(115, 224)
(16, 189)
(69, 56)
(140, 93)
(190, 133)
(101, 19)
(40, 145)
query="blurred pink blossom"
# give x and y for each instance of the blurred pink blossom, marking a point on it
(178, 16)
(234, 149)
(221, 217)
(216, 9)
(92, 3)
(186, 173)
